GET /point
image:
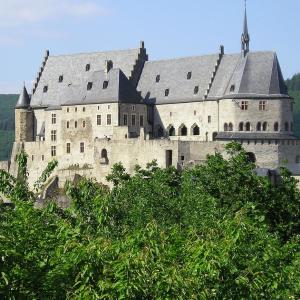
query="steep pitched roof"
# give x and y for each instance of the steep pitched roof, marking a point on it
(24, 99)
(75, 76)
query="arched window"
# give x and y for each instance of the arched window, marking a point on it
(265, 126)
(195, 130)
(104, 157)
(171, 130)
(276, 126)
(292, 127)
(241, 126)
(286, 126)
(183, 130)
(225, 127)
(230, 127)
(214, 136)
(258, 126)
(248, 126)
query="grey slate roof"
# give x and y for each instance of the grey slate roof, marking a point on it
(254, 136)
(75, 76)
(24, 99)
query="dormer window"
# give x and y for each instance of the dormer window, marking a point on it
(167, 91)
(232, 88)
(87, 67)
(189, 75)
(61, 78)
(89, 86)
(196, 89)
(45, 89)
(157, 79)
(105, 84)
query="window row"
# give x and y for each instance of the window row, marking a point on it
(260, 126)
(182, 130)
(133, 120)
(188, 76)
(68, 149)
(262, 105)
(83, 108)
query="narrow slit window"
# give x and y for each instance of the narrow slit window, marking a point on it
(196, 90)
(61, 78)
(105, 84)
(87, 67)
(189, 75)
(167, 91)
(45, 89)
(157, 79)
(89, 86)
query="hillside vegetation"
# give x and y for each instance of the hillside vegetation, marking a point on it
(217, 231)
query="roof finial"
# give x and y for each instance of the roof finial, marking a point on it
(245, 34)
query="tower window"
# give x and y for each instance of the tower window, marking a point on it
(61, 78)
(53, 118)
(167, 91)
(244, 105)
(98, 119)
(189, 75)
(196, 90)
(157, 79)
(87, 67)
(262, 105)
(68, 148)
(45, 89)
(81, 147)
(53, 150)
(105, 84)
(53, 135)
(89, 86)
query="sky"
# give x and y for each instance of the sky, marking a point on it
(170, 29)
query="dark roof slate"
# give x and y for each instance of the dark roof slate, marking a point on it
(24, 99)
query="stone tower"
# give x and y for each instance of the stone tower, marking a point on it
(23, 118)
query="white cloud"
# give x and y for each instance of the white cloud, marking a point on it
(14, 13)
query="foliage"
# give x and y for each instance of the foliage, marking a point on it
(216, 231)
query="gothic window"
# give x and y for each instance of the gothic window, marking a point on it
(196, 90)
(195, 130)
(89, 86)
(189, 75)
(248, 126)
(108, 119)
(53, 118)
(68, 148)
(225, 127)
(183, 130)
(244, 105)
(167, 91)
(171, 131)
(45, 89)
(276, 126)
(105, 84)
(265, 126)
(230, 127)
(98, 120)
(286, 126)
(53, 135)
(262, 105)
(87, 67)
(53, 150)
(241, 126)
(157, 79)
(258, 126)
(81, 147)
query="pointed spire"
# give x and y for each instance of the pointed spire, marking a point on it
(245, 34)
(24, 99)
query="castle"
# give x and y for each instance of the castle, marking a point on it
(90, 111)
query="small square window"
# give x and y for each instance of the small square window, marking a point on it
(87, 67)
(157, 79)
(189, 75)
(182, 157)
(196, 89)
(167, 91)
(105, 84)
(89, 86)
(61, 78)
(244, 105)
(45, 89)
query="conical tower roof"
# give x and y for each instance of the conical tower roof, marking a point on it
(24, 99)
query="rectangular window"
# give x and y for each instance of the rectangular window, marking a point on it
(53, 150)
(108, 119)
(53, 135)
(244, 105)
(141, 120)
(98, 119)
(68, 148)
(125, 119)
(53, 119)
(209, 119)
(81, 147)
(262, 105)
(133, 120)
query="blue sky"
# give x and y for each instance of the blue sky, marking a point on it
(170, 28)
